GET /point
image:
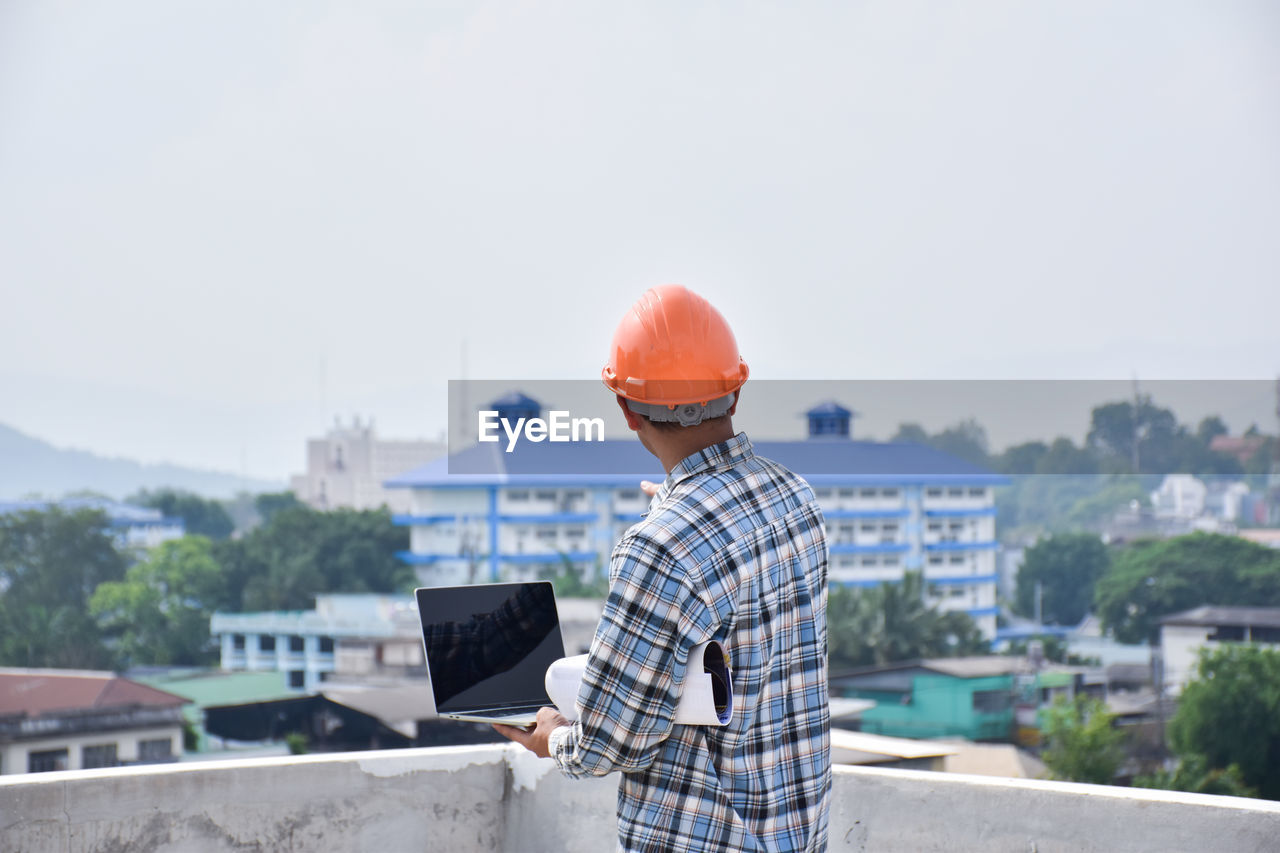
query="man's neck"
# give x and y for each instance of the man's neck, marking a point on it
(672, 446)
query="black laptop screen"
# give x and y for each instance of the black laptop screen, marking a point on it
(489, 645)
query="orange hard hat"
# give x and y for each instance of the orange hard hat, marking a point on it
(673, 348)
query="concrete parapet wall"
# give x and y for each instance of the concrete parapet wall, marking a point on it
(497, 798)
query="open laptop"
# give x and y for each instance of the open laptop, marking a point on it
(488, 647)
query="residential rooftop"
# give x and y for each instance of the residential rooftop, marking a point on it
(1213, 615)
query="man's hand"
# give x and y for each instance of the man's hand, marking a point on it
(535, 739)
(648, 488)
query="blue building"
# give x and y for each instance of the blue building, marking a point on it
(889, 508)
(131, 526)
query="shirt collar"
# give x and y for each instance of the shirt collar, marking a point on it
(717, 456)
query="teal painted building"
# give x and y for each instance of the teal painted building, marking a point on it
(974, 698)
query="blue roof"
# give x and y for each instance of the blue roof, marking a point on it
(515, 400)
(621, 462)
(831, 407)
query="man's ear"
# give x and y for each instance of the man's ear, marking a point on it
(633, 420)
(734, 407)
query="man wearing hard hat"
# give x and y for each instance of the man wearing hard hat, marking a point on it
(732, 549)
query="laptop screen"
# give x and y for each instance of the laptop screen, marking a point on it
(489, 645)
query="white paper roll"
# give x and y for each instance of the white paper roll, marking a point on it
(706, 700)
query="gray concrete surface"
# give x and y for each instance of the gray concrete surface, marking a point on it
(496, 798)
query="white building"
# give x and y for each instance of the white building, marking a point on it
(62, 719)
(350, 637)
(889, 508)
(1180, 496)
(1183, 635)
(356, 634)
(346, 468)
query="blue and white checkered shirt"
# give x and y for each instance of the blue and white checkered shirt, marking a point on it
(732, 549)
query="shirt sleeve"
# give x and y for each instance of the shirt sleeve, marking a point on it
(636, 664)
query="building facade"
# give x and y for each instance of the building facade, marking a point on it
(56, 719)
(1183, 635)
(346, 468)
(889, 507)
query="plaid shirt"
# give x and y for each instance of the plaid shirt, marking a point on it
(732, 549)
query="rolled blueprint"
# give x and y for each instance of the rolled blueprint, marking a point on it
(705, 700)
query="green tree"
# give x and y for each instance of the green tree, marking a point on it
(1210, 428)
(1082, 744)
(268, 504)
(913, 433)
(1153, 578)
(1229, 715)
(282, 564)
(891, 622)
(966, 439)
(159, 613)
(200, 516)
(1021, 458)
(1065, 566)
(50, 563)
(1193, 775)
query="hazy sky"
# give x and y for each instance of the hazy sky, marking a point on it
(221, 223)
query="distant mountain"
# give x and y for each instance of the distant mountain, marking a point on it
(31, 466)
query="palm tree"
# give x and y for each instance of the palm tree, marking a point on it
(892, 622)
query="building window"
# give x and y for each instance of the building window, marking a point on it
(992, 701)
(1228, 634)
(977, 493)
(544, 496)
(957, 561)
(517, 495)
(955, 493)
(574, 495)
(845, 493)
(575, 532)
(1264, 635)
(296, 644)
(237, 642)
(888, 493)
(822, 494)
(266, 643)
(890, 561)
(935, 561)
(867, 493)
(933, 493)
(297, 678)
(326, 645)
(629, 495)
(47, 760)
(869, 528)
(546, 533)
(159, 749)
(870, 561)
(934, 527)
(99, 755)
